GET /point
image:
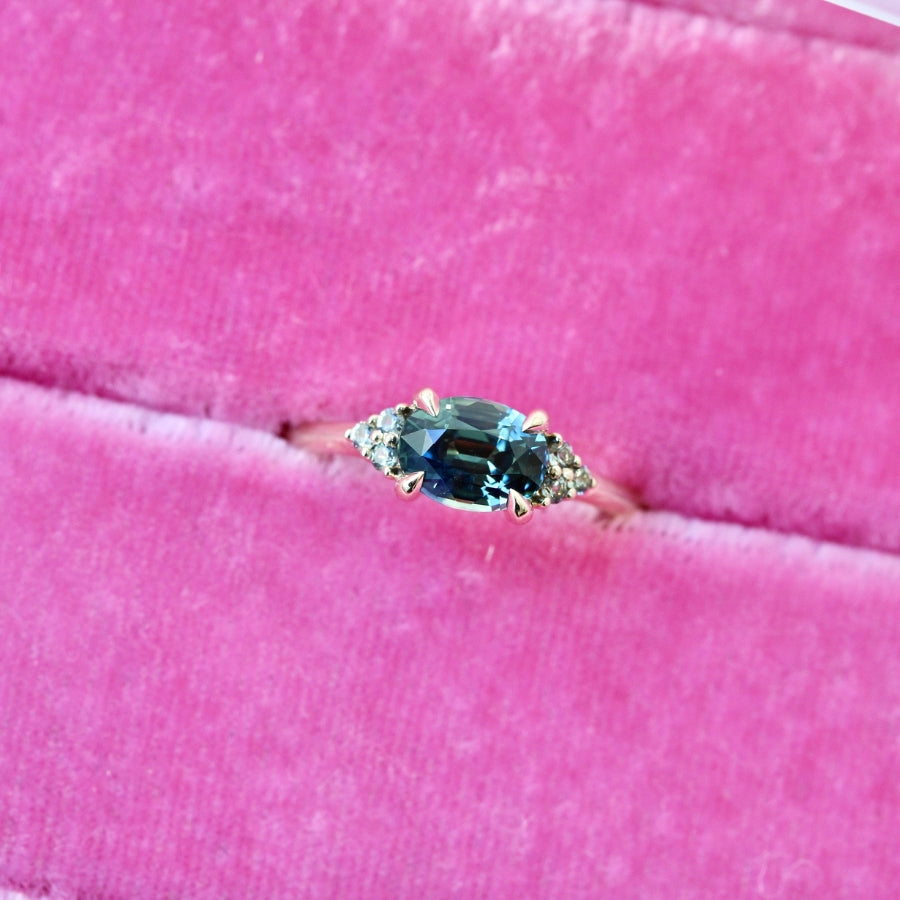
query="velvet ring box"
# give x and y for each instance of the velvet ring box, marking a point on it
(232, 669)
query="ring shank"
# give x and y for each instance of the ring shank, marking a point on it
(610, 498)
(326, 438)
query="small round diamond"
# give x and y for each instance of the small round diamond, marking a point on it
(383, 457)
(388, 421)
(583, 480)
(565, 454)
(361, 436)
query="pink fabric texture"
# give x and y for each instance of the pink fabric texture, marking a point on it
(230, 669)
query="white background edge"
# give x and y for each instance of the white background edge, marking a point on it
(886, 10)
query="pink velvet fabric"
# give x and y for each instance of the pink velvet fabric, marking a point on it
(230, 669)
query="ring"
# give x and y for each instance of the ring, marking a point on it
(471, 454)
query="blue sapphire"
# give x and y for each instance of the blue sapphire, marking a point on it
(473, 453)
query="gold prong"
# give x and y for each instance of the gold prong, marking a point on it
(409, 486)
(535, 421)
(518, 508)
(428, 400)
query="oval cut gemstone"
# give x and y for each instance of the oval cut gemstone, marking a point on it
(473, 452)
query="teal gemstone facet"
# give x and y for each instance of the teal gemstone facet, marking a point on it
(473, 453)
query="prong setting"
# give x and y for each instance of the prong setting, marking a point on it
(408, 487)
(537, 420)
(518, 508)
(428, 400)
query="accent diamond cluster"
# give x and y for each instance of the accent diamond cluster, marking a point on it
(566, 475)
(377, 438)
(471, 454)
